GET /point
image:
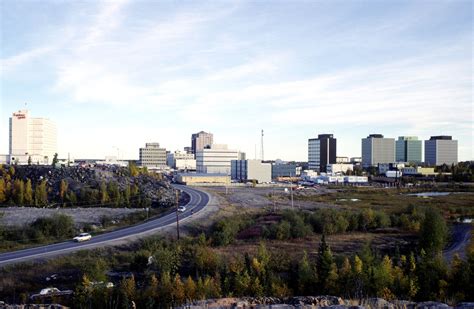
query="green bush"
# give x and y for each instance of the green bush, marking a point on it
(58, 226)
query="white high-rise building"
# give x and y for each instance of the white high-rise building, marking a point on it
(34, 138)
(216, 159)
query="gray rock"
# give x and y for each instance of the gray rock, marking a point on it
(432, 305)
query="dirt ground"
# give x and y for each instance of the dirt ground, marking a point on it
(268, 197)
(19, 216)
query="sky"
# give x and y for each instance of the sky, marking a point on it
(114, 75)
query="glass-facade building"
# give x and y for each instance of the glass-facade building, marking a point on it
(408, 149)
(321, 152)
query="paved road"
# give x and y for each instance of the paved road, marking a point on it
(198, 200)
(460, 236)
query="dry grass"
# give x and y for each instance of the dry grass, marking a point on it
(342, 244)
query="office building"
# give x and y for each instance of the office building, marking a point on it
(377, 149)
(31, 138)
(408, 149)
(180, 160)
(285, 170)
(244, 170)
(441, 150)
(153, 156)
(216, 159)
(321, 152)
(201, 140)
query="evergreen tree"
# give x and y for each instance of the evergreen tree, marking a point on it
(433, 232)
(18, 191)
(63, 190)
(345, 278)
(83, 292)
(128, 291)
(178, 292)
(41, 194)
(166, 289)
(55, 160)
(305, 276)
(126, 196)
(104, 196)
(358, 277)
(325, 265)
(28, 193)
(151, 292)
(190, 289)
(459, 279)
(3, 193)
(383, 277)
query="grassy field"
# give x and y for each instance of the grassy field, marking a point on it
(393, 200)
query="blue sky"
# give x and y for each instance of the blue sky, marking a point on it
(118, 74)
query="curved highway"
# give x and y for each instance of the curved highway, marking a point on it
(198, 200)
(460, 237)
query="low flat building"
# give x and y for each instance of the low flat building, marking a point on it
(180, 160)
(245, 170)
(356, 160)
(418, 171)
(285, 170)
(343, 160)
(339, 168)
(200, 178)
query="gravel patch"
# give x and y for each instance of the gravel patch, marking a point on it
(19, 216)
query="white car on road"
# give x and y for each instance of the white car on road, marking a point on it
(82, 237)
(181, 209)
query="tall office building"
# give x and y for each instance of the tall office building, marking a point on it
(201, 140)
(408, 149)
(441, 150)
(376, 149)
(216, 159)
(152, 156)
(34, 138)
(321, 152)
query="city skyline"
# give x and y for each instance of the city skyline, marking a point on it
(119, 75)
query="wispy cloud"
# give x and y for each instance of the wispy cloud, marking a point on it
(233, 67)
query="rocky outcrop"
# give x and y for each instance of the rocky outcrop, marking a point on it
(158, 191)
(330, 302)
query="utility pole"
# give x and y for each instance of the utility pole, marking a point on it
(177, 213)
(263, 157)
(291, 190)
(273, 198)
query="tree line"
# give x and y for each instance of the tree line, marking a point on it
(192, 270)
(23, 192)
